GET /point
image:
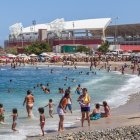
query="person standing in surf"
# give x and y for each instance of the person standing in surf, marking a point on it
(42, 119)
(84, 101)
(61, 110)
(1, 113)
(14, 115)
(29, 100)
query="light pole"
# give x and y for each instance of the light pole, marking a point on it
(73, 31)
(116, 27)
(21, 36)
(34, 23)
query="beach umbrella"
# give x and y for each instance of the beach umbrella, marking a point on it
(126, 54)
(118, 50)
(109, 53)
(33, 55)
(22, 55)
(11, 56)
(133, 54)
(44, 54)
(56, 57)
(3, 57)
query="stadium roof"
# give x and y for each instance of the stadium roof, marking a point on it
(122, 30)
(86, 24)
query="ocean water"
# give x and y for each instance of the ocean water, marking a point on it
(112, 87)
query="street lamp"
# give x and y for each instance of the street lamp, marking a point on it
(34, 23)
(115, 37)
(73, 31)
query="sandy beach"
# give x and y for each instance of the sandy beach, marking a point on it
(124, 117)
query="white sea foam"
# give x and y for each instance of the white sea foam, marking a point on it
(94, 81)
(120, 96)
(2, 69)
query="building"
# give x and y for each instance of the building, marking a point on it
(125, 37)
(59, 33)
(65, 34)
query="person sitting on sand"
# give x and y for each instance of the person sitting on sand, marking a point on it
(106, 110)
(29, 100)
(42, 119)
(14, 115)
(1, 113)
(96, 114)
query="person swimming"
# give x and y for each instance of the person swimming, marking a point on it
(78, 90)
(66, 78)
(48, 84)
(87, 73)
(47, 90)
(73, 80)
(51, 70)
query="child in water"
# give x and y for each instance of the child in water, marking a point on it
(14, 115)
(50, 104)
(1, 113)
(42, 119)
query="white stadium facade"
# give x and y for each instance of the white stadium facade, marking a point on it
(70, 34)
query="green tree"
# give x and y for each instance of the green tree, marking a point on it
(37, 48)
(83, 49)
(11, 50)
(104, 47)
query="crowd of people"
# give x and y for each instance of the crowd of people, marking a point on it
(65, 102)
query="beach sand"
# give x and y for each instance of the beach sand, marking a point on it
(125, 115)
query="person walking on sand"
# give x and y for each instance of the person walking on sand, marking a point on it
(84, 101)
(29, 100)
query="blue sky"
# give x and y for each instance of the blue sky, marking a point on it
(43, 11)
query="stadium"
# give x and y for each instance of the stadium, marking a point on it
(66, 36)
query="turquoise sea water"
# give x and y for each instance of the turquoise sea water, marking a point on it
(112, 87)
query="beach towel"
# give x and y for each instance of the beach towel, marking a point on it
(95, 117)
